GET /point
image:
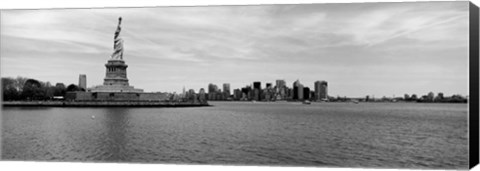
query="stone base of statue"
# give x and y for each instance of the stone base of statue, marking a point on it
(115, 78)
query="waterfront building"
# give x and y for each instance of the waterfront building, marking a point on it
(190, 95)
(306, 93)
(247, 93)
(219, 96)
(297, 90)
(269, 92)
(321, 88)
(289, 93)
(212, 92)
(256, 94)
(300, 92)
(82, 81)
(212, 88)
(237, 94)
(190, 92)
(257, 90)
(226, 90)
(183, 92)
(317, 87)
(281, 89)
(202, 95)
(280, 83)
(257, 85)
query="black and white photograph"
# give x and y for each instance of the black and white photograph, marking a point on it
(322, 85)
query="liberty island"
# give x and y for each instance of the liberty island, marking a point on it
(116, 90)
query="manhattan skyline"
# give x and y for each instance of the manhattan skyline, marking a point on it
(376, 49)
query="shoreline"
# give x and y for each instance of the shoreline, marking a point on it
(101, 104)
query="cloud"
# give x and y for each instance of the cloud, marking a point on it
(240, 44)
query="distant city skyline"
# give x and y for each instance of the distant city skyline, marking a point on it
(379, 49)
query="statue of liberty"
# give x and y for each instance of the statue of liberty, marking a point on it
(118, 42)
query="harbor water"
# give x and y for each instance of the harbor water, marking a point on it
(399, 135)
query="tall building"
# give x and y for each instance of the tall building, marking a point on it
(321, 90)
(82, 81)
(212, 88)
(190, 95)
(226, 90)
(280, 83)
(212, 92)
(183, 92)
(281, 90)
(257, 90)
(247, 93)
(201, 95)
(300, 92)
(237, 94)
(257, 85)
(306, 93)
(297, 90)
(289, 93)
(269, 92)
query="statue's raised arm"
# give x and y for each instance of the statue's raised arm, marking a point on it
(118, 42)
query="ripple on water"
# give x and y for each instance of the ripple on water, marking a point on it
(321, 134)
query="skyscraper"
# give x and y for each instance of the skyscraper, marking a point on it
(321, 88)
(212, 91)
(281, 90)
(306, 93)
(300, 92)
(237, 94)
(257, 90)
(226, 90)
(183, 92)
(257, 85)
(82, 81)
(247, 93)
(280, 83)
(317, 87)
(297, 90)
(201, 95)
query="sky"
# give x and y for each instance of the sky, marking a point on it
(379, 49)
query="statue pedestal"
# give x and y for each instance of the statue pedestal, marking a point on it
(116, 73)
(115, 78)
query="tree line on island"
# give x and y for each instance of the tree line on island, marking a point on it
(21, 88)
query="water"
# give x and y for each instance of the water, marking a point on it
(399, 135)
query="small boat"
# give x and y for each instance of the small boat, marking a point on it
(307, 102)
(93, 116)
